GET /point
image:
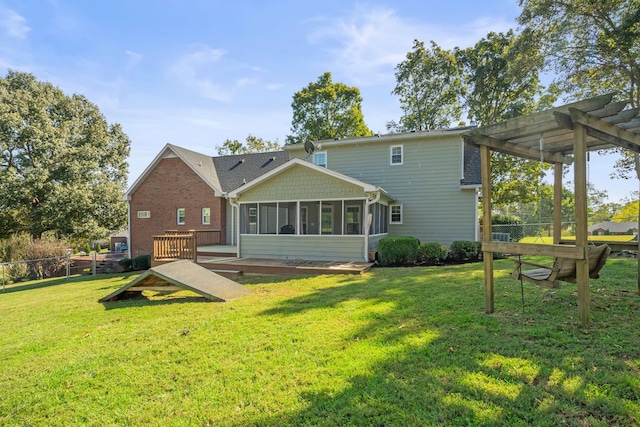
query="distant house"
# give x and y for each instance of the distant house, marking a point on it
(610, 228)
(334, 203)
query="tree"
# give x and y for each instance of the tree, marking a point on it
(429, 85)
(628, 213)
(326, 110)
(253, 145)
(62, 167)
(494, 80)
(594, 48)
(500, 76)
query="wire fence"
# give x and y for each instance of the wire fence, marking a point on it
(58, 266)
(516, 232)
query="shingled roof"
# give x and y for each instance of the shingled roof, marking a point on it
(472, 172)
(235, 171)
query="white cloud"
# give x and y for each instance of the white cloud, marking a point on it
(194, 71)
(207, 72)
(14, 24)
(370, 41)
(133, 59)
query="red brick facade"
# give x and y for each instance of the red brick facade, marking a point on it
(172, 185)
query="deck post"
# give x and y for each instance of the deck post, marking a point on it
(580, 180)
(485, 161)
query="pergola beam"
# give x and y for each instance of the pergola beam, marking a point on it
(613, 134)
(516, 150)
(538, 123)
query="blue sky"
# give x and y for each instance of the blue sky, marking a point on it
(194, 73)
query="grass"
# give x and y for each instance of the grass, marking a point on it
(393, 347)
(549, 240)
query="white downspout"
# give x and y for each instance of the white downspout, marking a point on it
(368, 224)
(234, 204)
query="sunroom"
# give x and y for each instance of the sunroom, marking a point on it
(304, 211)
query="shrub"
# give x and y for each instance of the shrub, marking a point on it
(17, 271)
(398, 250)
(48, 254)
(87, 248)
(15, 247)
(464, 250)
(126, 263)
(432, 253)
(142, 262)
(98, 248)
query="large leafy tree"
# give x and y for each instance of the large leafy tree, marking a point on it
(593, 47)
(326, 110)
(494, 80)
(62, 166)
(429, 85)
(252, 144)
(501, 80)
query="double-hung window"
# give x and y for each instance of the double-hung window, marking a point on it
(396, 155)
(181, 216)
(320, 159)
(395, 214)
(206, 216)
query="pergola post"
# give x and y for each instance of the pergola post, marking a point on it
(487, 256)
(580, 180)
(557, 203)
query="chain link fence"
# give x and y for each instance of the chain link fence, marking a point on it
(516, 232)
(34, 269)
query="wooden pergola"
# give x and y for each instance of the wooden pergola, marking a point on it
(559, 136)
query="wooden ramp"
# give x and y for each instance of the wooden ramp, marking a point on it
(183, 275)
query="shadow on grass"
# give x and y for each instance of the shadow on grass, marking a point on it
(150, 299)
(468, 368)
(49, 282)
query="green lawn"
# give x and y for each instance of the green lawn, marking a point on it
(549, 240)
(393, 347)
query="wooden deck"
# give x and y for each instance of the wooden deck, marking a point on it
(222, 260)
(257, 266)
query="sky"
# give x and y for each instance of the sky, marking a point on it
(195, 73)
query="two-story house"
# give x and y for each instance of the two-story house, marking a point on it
(334, 203)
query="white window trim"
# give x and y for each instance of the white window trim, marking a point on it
(391, 206)
(204, 222)
(401, 155)
(144, 214)
(326, 159)
(178, 216)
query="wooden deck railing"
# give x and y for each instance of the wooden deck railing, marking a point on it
(203, 237)
(175, 246)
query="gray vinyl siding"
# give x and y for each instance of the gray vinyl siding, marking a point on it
(314, 248)
(373, 241)
(427, 184)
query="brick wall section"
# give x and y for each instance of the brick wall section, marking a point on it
(172, 185)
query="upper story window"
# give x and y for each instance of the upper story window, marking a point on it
(206, 216)
(320, 159)
(144, 214)
(396, 154)
(181, 216)
(396, 214)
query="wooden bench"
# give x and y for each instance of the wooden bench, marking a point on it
(563, 268)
